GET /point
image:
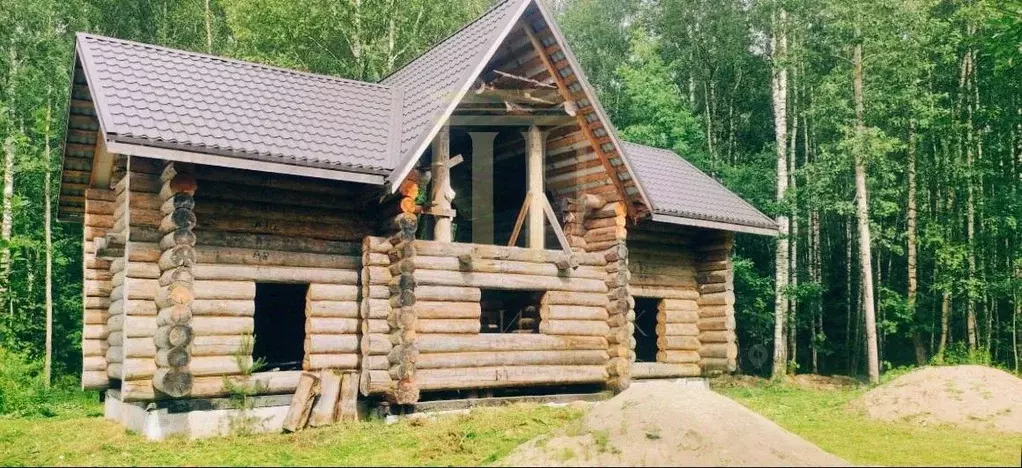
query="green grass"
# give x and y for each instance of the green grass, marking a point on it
(480, 437)
(823, 418)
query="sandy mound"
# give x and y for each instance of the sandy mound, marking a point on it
(663, 423)
(970, 396)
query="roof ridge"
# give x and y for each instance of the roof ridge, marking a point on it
(445, 39)
(247, 63)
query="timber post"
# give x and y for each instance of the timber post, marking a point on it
(176, 294)
(442, 194)
(534, 183)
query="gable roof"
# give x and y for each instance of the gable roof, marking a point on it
(165, 98)
(434, 82)
(682, 194)
(159, 102)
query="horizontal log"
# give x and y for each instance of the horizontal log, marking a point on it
(332, 292)
(483, 265)
(663, 281)
(330, 361)
(207, 271)
(341, 309)
(511, 358)
(660, 370)
(448, 310)
(261, 383)
(447, 249)
(678, 304)
(574, 327)
(242, 256)
(677, 316)
(94, 347)
(677, 329)
(222, 345)
(717, 323)
(307, 229)
(447, 326)
(718, 365)
(131, 326)
(511, 376)
(137, 369)
(572, 312)
(507, 342)
(719, 350)
(222, 326)
(707, 336)
(95, 380)
(717, 299)
(376, 344)
(223, 307)
(447, 293)
(237, 290)
(375, 309)
(376, 382)
(219, 365)
(265, 242)
(708, 311)
(95, 317)
(95, 332)
(573, 298)
(678, 357)
(331, 344)
(508, 281)
(660, 292)
(679, 343)
(330, 326)
(138, 348)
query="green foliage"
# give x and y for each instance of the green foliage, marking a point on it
(481, 437)
(959, 354)
(22, 394)
(823, 417)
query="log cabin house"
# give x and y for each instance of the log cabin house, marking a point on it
(470, 224)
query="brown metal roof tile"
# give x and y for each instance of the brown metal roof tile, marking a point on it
(162, 97)
(680, 190)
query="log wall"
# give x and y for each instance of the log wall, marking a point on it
(434, 319)
(689, 271)
(183, 299)
(98, 219)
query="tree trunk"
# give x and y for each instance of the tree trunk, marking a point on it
(862, 215)
(209, 28)
(47, 219)
(7, 216)
(913, 269)
(779, 82)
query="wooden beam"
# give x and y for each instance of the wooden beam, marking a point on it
(562, 87)
(534, 167)
(102, 166)
(504, 120)
(442, 193)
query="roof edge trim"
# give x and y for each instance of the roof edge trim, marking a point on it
(702, 223)
(237, 163)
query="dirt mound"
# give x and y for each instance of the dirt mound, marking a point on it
(806, 381)
(667, 424)
(970, 396)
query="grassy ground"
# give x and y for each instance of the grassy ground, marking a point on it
(82, 438)
(822, 417)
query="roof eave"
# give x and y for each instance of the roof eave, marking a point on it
(119, 146)
(706, 224)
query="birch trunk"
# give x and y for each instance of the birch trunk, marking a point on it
(47, 219)
(913, 269)
(862, 215)
(793, 258)
(779, 88)
(7, 216)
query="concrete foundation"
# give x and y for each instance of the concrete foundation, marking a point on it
(197, 418)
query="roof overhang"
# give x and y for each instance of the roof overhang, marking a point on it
(184, 156)
(702, 223)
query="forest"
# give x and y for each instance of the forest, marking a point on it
(885, 137)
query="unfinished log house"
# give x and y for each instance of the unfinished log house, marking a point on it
(470, 224)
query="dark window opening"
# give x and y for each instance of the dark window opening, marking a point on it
(510, 311)
(645, 329)
(280, 325)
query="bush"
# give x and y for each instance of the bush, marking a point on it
(959, 354)
(22, 393)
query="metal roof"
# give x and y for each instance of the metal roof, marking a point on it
(682, 194)
(165, 98)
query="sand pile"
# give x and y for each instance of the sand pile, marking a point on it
(976, 397)
(664, 423)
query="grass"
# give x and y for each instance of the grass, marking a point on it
(823, 418)
(480, 437)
